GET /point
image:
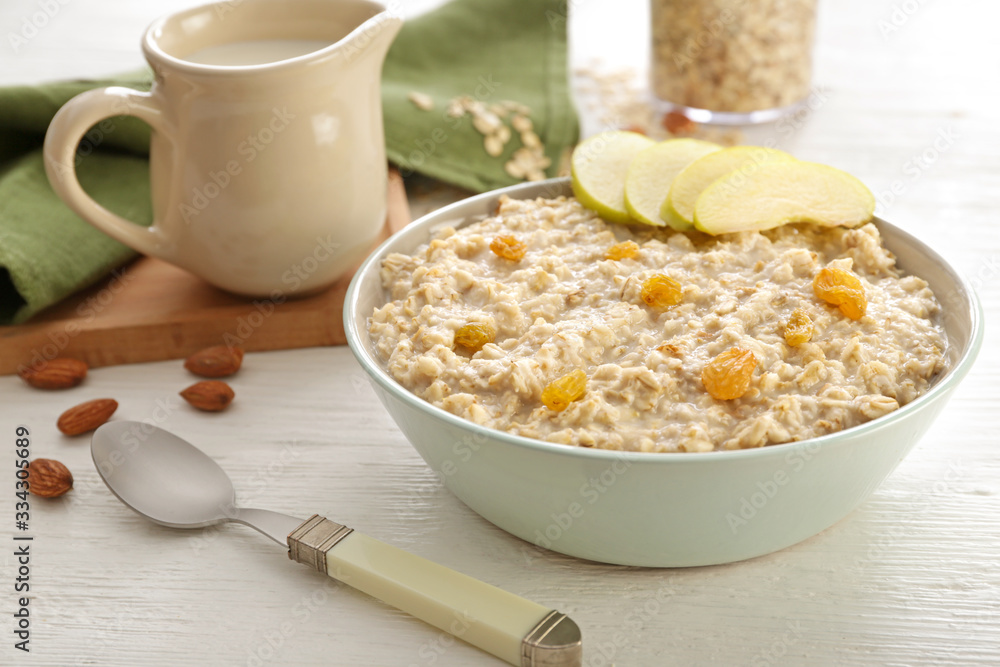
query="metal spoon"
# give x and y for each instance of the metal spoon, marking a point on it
(173, 483)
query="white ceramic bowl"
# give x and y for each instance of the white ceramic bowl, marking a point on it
(660, 510)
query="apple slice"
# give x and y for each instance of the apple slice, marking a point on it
(651, 173)
(782, 192)
(694, 178)
(599, 165)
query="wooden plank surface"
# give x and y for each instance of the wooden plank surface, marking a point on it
(911, 578)
(150, 310)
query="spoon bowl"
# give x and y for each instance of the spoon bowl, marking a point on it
(173, 483)
(161, 476)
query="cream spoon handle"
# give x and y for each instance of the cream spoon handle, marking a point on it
(510, 627)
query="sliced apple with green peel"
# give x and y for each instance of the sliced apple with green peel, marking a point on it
(694, 178)
(651, 173)
(599, 165)
(783, 192)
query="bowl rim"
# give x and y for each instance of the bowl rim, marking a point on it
(374, 369)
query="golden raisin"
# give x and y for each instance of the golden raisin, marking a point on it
(558, 394)
(844, 289)
(661, 291)
(799, 328)
(508, 247)
(623, 250)
(474, 335)
(728, 375)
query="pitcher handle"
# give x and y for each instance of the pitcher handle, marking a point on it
(66, 131)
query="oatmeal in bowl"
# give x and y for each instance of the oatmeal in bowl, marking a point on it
(681, 342)
(478, 359)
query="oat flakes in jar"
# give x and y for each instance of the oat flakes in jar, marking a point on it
(732, 61)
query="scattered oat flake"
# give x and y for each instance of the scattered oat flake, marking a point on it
(486, 122)
(422, 101)
(530, 140)
(514, 169)
(493, 145)
(521, 123)
(528, 162)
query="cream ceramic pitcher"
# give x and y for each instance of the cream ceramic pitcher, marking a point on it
(267, 157)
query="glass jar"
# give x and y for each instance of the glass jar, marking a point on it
(732, 61)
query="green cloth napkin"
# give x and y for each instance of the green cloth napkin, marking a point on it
(489, 50)
(492, 50)
(46, 251)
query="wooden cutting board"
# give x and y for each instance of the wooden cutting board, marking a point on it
(150, 310)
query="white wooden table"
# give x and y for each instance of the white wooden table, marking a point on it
(910, 578)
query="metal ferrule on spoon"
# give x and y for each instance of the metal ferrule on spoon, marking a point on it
(171, 482)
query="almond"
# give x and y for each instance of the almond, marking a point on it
(48, 478)
(86, 416)
(215, 362)
(59, 373)
(677, 123)
(209, 395)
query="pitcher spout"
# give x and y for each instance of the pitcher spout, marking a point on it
(373, 38)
